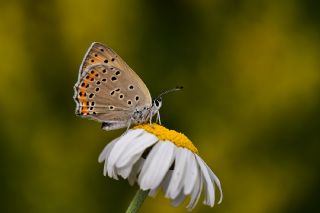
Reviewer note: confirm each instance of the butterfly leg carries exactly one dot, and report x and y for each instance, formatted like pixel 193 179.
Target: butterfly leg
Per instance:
pixel 150 115
pixel 129 124
pixel 158 118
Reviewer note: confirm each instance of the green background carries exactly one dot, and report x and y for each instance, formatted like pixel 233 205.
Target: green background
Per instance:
pixel 251 104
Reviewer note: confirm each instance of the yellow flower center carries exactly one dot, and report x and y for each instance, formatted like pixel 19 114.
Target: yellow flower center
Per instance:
pixel 165 134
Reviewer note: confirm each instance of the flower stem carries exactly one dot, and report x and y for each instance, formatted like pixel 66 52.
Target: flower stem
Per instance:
pixel 137 201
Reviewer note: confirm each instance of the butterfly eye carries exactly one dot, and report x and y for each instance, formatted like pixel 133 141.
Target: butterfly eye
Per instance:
pixel 157 103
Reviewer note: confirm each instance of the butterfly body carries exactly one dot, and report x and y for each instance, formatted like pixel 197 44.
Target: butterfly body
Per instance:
pixel 139 116
pixel 110 92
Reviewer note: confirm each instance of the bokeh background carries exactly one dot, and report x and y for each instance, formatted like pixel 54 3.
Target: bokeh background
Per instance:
pixel 251 72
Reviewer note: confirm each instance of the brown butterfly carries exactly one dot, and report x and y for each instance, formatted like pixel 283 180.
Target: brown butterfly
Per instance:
pixel 109 91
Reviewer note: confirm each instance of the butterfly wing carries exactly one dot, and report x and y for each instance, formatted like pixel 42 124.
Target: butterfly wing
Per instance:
pixel 100 54
pixel 108 94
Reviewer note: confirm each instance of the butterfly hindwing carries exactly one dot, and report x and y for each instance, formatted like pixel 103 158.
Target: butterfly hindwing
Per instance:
pixel 100 54
pixel 106 93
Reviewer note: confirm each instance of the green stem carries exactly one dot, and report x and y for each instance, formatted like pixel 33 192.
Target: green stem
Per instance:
pixel 137 201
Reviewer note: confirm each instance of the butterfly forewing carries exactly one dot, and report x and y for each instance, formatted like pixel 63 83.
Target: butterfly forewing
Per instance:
pixel 100 54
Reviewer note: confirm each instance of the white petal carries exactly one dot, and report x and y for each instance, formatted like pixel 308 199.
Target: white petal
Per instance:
pixel 135 171
pixel 147 163
pixel 178 175
pixel 208 183
pixel 192 174
pixel 196 192
pixel 215 179
pixel 164 184
pixel 166 181
pixel 154 192
pixel 135 150
pixel 124 172
pixel 119 148
pixel 104 156
pixel 105 152
pixel 209 187
pixel 157 164
pixel 178 200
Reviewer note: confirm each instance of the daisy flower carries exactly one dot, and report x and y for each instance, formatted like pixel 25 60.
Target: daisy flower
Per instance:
pixel 156 158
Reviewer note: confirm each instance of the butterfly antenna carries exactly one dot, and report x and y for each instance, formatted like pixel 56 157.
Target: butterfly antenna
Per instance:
pixel 169 91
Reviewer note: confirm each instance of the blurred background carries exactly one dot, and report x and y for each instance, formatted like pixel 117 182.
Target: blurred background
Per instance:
pixel 251 104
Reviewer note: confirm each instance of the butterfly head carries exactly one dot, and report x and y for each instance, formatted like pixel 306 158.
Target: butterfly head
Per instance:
pixel 157 103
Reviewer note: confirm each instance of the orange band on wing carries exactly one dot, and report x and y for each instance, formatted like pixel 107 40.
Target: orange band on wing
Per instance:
pixel 83 95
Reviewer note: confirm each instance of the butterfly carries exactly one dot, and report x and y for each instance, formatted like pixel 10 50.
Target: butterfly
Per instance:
pixel 110 92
